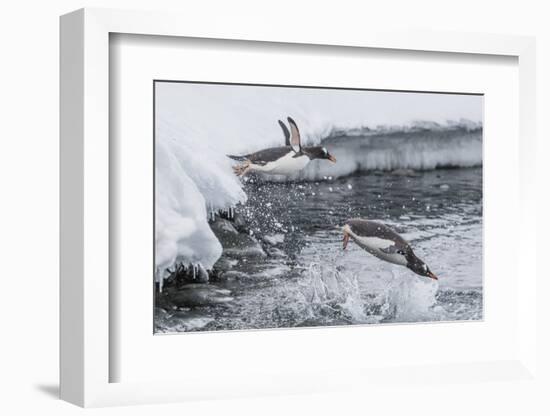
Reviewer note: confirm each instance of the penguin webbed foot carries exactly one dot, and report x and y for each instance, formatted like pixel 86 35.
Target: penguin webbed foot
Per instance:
pixel 345 240
pixel 242 169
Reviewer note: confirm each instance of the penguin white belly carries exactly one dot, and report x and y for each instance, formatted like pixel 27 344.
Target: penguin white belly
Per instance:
pixel 286 165
pixel 378 247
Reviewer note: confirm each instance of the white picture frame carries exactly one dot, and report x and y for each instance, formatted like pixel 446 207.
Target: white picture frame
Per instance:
pixel 85 228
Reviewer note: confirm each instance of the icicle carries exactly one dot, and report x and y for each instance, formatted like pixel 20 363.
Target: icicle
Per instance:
pixel 203 273
pixel 159 277
pixel 211 213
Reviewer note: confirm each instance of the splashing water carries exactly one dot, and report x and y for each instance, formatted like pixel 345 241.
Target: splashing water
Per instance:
pixel 410 299
pixel 325 286
pixel 313 282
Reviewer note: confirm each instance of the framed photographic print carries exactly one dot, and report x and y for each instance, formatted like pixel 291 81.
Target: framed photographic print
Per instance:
pixel 253 240
pixel 236 208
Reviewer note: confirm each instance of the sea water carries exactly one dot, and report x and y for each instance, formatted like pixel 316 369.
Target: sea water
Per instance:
pixel 314 282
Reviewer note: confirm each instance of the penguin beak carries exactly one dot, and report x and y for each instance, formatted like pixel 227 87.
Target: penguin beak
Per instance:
pixel 332 158
pixel 432 276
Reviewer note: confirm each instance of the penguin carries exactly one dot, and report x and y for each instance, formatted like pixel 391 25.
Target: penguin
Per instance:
pixel 382 242
pixel 284 160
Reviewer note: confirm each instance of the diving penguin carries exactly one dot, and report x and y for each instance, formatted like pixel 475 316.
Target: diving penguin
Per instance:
pixel 382 242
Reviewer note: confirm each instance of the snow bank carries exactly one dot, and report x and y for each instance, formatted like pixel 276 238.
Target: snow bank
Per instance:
pixel 190 181
pixel 240 119
pixel 450 145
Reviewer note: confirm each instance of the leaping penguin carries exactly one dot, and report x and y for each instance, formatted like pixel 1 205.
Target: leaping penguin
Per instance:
pixel 382 242
pixel 284 160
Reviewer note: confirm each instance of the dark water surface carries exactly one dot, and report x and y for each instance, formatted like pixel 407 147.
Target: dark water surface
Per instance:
pixel 308 280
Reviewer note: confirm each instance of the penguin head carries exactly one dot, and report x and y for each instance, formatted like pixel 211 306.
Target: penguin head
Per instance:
pixel 320 152
pixel 421 268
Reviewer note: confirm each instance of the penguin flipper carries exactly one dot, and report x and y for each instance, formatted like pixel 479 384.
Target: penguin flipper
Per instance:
pixel 237 158
pixel 285 132
pixel 392 249
pixel 295 141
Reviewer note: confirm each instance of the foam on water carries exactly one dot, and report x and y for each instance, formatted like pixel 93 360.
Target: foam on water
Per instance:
pixel 331 289
pixel 409 299
pixel 325 286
